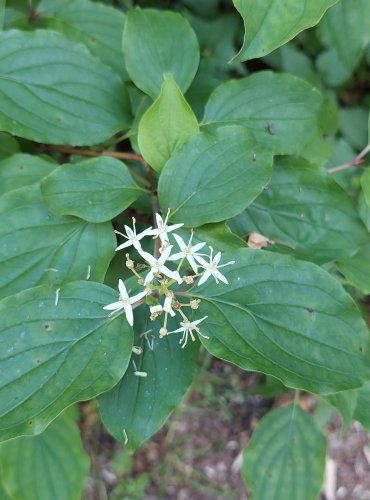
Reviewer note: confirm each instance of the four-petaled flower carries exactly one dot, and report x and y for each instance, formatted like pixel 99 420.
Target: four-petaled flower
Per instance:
pixel 163 228
pixel 132 237
pixel 187 328
pixel 212 267
pixel 125 302
pixel 187 251
pixel 158 267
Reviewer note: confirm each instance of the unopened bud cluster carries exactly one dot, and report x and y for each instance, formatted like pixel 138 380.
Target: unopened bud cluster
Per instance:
pixel 159 277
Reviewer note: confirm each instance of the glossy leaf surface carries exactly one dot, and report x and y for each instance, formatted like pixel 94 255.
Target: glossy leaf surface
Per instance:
pixel 285 318
pixel 166 125
pixel 285 457
pixel 56 92
pixel 56 352
pixel 159 42
pixel 95 190
pixel 36 247
pixel 217 174
pixel 271 24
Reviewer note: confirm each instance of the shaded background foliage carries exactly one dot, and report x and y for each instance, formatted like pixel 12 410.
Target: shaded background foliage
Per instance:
pixel 283 123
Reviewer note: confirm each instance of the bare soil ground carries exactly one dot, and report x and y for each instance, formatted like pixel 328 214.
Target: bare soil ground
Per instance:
pixel 198 454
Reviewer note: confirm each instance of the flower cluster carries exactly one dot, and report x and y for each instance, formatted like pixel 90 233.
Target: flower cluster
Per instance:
pixel 159 277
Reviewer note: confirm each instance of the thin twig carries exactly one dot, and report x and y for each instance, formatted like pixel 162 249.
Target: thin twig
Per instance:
pixel 354 163
pixel 89 152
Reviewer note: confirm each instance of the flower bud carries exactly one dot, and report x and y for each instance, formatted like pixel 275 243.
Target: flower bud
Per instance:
pixel 194 304
pixel 163 332
pixel 129 263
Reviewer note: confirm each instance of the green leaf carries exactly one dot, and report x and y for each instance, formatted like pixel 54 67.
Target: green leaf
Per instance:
pixel 353 124
pixel 51 465
pixel 2 13
pixel 95 190
pixel 357 269
pixel 286 318
pixel 331 68
pixel 217 175
pixel 365 184
pixel 54 355
pixel 94 24
pixel 159 42
pixel 166 125
pixel 21 170
pixel 364 211
pixel 282 110
pixel 291 59
pixel 15 18
pixel 346 28
pixel 345 402
pixel 362 413
pixel 36 247
pixel 8 145
pixel 57 92
pixel 217 37
pixel 271 24
pixel 138 407
pixel 305 211
pixel 216 235
pixel 285 458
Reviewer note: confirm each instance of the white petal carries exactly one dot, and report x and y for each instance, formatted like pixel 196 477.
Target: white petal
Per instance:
pixel 165 254
pixel 169 229
pixel 129 314
pixel 122 289
pixel 191 261
pixel 164 237
pixel 167 304
pixel 204 278
pixel 201 261
pixel 147 232
pixel 155 309
pixel 137 245
pixel 124 245
pixel 181 329
pixel 148 257
pixel 170 274
pixel 149 277
pixel 220 276
pixel 180 241
pixel 217 258
pixel 197 321
pixel 198 246
pixel 114 305
pixel 137 297
pixel 130 233
pixel 159 220
pixel 176 256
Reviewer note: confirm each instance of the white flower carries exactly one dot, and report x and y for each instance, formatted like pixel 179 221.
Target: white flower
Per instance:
pixel 157 266
pixel 167 306
pixel 187 327
pixel 187 251
pixel 212 268
pixel 132 237
pixel 162 228
pixel 125 302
